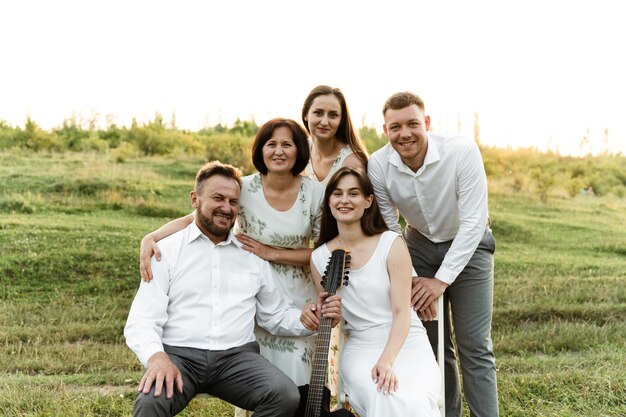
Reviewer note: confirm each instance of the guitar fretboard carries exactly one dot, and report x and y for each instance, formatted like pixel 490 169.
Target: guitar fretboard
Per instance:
pixel 333 276
pixel 318 375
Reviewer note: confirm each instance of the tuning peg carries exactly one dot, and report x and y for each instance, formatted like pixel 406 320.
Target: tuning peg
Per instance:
pixel 348 257
pixel 346 272
pixel 345 282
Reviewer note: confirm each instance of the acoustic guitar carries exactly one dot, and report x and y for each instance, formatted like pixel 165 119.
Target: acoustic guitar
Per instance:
pixel 315 396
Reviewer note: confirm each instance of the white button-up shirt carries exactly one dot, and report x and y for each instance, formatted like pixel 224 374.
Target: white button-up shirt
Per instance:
pixel 446 199
pixel 205 296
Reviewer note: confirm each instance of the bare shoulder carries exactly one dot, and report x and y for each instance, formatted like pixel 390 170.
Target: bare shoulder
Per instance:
pixel 398 252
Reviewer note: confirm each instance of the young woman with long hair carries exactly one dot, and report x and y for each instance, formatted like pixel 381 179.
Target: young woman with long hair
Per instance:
pixel 387 365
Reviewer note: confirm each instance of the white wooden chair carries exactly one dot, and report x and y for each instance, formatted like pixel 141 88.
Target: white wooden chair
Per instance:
pixel 342 397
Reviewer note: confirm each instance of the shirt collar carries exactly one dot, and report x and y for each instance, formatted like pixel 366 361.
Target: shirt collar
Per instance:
pixel 195 233
pixel 432 156
pixel 432 153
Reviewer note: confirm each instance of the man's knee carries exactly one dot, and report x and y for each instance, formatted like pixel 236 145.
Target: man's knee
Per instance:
pixel 282 394
pixel 289 398
pixel 149 405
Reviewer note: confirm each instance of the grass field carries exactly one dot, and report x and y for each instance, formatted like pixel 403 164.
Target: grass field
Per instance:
pixel 70 227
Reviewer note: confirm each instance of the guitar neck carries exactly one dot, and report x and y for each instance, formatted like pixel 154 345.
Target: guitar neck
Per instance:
pixel 318 374
pixel 335 271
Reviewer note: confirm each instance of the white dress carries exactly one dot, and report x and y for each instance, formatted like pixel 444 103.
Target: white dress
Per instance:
pixel 343 154
pixel 293 228
pixel 366 308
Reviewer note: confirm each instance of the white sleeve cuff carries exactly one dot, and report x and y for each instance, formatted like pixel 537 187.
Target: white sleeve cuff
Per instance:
pixel 445 275
pixel 148 351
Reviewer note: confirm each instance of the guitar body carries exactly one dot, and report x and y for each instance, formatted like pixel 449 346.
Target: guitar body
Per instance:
pixel 325 411
pixel 315 396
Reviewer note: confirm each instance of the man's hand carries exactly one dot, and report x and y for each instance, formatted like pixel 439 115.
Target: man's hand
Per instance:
pixel 161 369
pixel 147 249
pixel 425 291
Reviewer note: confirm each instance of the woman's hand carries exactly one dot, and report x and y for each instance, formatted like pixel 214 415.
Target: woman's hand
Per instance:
pixel 262 251
pixel 429 312
pixel 148 248
pixel 330 307
pixel 384 377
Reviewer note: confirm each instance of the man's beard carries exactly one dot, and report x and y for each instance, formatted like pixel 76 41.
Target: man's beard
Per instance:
pixel 211 227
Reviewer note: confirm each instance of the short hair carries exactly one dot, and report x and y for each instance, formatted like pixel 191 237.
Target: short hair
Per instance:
pixel 345 132
pixel 401 100
pixel 299 139
pixel 213 168
pixel 372 221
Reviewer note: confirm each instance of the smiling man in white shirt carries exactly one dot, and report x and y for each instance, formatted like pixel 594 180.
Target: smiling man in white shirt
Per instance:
pixel 439 187
pixel 192 325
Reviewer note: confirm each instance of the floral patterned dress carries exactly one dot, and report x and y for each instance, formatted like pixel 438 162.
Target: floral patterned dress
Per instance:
pixel 294 228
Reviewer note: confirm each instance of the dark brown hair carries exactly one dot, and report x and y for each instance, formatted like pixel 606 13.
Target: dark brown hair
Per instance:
pixel 345 131
pixel 216 168
pixel 372 221
pixel 401 100
pixel 299 139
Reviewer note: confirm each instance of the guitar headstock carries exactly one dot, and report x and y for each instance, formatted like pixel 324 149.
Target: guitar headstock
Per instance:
pixel 336 271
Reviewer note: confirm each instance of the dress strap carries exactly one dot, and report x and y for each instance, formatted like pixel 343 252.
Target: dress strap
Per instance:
pixel 386 241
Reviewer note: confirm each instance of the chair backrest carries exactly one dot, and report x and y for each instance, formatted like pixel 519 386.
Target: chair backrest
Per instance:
pixel 440 355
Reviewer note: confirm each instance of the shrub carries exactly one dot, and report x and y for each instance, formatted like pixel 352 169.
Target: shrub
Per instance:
pixel 544 180
pixel 236 150
pixel 125 152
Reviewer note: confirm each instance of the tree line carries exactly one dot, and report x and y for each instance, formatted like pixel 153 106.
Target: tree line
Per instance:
pixel 522 170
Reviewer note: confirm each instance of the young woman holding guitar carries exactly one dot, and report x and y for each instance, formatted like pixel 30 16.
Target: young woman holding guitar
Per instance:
pixel 387 365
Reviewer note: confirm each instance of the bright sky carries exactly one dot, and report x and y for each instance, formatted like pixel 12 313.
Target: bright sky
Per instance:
pixel 537 73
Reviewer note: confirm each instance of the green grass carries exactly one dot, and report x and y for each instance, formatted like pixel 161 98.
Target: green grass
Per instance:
pixel 70 227
pixel 560 305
